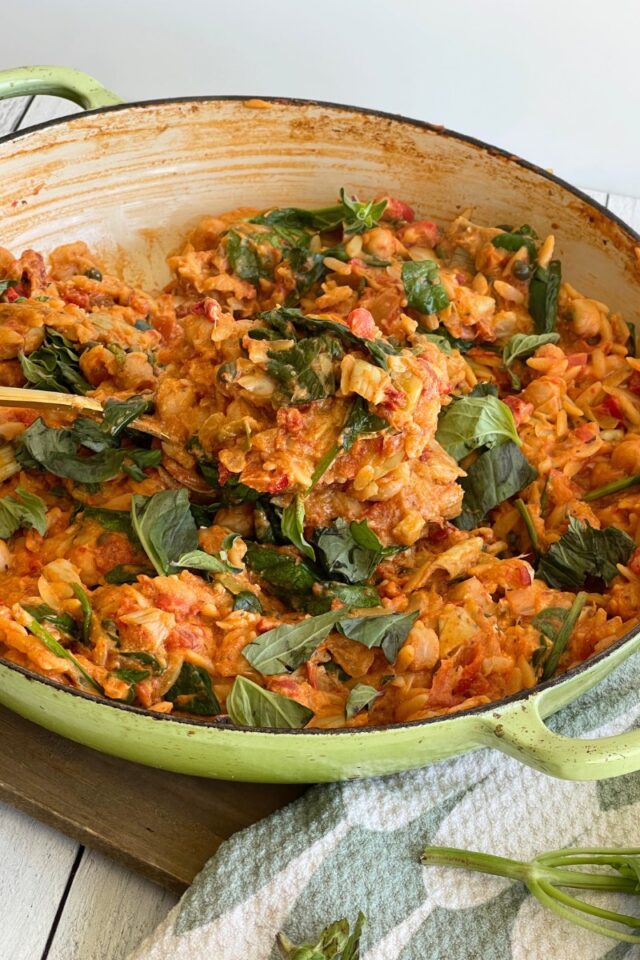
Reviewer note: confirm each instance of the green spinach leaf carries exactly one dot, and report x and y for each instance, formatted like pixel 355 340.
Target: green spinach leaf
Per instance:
pixel 543 296
pixel 244 259
pixel 422 288
pixel 584 551
pixel 131 675
pixel 246 600
pixel 305 372
pixel 286 647
pixel 496 475
pixel 116 521
pixel 472 422
pixel 515 240
pixel 124 573
pixel 43 613
pixel 55 365
pixel 284 572
pixel 87 612
pixel 350 551
pixel 250 705
pixel 192 692
pixel 23 510
pixel 119 414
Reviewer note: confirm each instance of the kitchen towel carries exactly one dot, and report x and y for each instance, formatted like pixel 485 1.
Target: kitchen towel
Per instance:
pixel 356 846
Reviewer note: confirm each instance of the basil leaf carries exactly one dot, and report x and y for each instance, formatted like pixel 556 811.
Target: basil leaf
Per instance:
pixel 360 216
pixel 204 513
pixel 281 570
pixel 87 612
pixel 250 705
pixel 287 321
pixel 422 288
pixel 496 475
pixel 124 573
pixel 484 389
pixel 323 218
pixel 360 697
pixel 293 527
pixel 285 647
pixel 192 692
pixel 334 943
pixel 522 345
pixel 514 241
pixel 56 451
pixel 164 526
pixel 199 560
pixel 118 414
pixel 305 372
pixel 471 422
pixel 44 613
pixel 54 646
pixel 387 630
pixel 116 521
pixel 584 551
pixel 246 600
pixel 24 510
pixel 349 551
pixel 543 296
pixel 244 258
pixel 55 365
pixel 131 675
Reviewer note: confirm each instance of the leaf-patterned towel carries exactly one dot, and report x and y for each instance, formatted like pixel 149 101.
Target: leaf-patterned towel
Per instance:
pixel 351 846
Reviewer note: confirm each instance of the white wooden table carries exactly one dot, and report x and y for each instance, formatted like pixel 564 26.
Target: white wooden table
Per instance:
pixel 59 900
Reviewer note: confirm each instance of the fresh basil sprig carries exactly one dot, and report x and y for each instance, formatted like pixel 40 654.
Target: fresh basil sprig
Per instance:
pixel 335 943
pixel 250 705
pixel 546 873
pixel 23 510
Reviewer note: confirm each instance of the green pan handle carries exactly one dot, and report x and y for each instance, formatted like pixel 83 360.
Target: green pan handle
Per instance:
pixel 519 730
pixel 56 82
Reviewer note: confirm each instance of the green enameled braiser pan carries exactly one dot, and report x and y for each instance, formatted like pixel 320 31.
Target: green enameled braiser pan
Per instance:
pixel 131 180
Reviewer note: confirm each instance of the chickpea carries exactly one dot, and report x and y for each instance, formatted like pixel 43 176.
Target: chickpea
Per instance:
pixel 380 242
pixel 626 455
pixel 585 318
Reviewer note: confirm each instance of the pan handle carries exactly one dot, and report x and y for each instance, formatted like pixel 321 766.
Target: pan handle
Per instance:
pixel 520 731
pixel 57 82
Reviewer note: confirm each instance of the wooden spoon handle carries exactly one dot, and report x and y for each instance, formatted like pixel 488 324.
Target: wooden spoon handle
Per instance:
pixel 49 400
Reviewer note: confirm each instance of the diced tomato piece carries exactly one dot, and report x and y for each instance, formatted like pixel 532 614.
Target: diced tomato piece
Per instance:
pixel 186 636
pixel 360 321
pixel 612 406
pixel 634 562
pixel 12 293
pixel 422 232
pixel 437 534
pixel 577 360
pixel 290 419
pixel 393 399
pixel 397 210
pixel 278 485
pixel 633 383
pixel 223 474
pixel 586 432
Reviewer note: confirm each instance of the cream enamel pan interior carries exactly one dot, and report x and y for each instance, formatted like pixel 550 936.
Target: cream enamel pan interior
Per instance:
pixel 130 180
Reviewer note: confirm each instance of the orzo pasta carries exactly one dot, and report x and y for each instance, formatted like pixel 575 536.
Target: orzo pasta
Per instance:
pixel 399 480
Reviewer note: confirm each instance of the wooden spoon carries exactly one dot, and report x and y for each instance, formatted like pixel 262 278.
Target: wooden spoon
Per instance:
pixel 48 400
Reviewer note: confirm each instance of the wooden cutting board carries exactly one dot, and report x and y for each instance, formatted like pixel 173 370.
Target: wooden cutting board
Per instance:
pixel 163 825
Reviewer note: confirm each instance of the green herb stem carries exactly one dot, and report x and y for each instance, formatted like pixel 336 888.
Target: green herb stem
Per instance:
pixel 546 873
pixel 527 519
pixel 563 635
pixel 614 487
pixel 55 647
